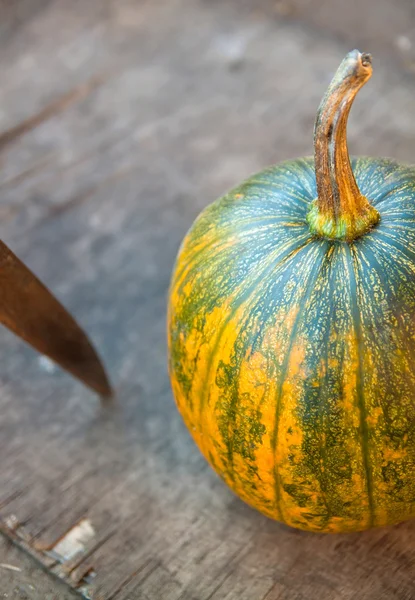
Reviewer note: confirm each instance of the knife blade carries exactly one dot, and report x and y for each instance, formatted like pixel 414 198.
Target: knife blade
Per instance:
pixel 31 311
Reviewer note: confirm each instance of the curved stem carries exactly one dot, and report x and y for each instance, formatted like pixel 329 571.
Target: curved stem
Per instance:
pixel 340 211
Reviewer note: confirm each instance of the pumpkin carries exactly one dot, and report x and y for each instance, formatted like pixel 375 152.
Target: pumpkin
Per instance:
pixel 291 332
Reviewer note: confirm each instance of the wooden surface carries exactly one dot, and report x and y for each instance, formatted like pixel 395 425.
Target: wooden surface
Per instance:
pixel 121 120
pixel 22 579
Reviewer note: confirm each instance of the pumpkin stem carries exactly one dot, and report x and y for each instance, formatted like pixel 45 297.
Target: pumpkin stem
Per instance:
pixel 340 211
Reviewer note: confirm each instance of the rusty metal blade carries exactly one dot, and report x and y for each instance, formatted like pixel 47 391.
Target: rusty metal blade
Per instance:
pixel 30 310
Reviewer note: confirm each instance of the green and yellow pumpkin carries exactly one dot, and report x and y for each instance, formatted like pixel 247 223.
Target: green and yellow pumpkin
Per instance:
pixel 291 329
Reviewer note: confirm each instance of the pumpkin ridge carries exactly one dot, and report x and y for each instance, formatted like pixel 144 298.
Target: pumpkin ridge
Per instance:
pixel 216 245
pixel 245 325
pixel 377 267
pixel 294 199
pixel 319 264
pixel 394 191
pixel 254 340
pixel 401 224
pixel 351 259
pixel 244 300
pixel 397 247
pixel 257 337
pixel 277 256
pixel 278 176
pixel 378 262
pixel 194 260
pixel 198 257
pixel 263 184
pixel 271 265
pixel 330 279
pixel 369 172
pixel 375 264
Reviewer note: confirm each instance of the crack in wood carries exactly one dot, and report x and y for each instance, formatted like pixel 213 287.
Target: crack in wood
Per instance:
pixel 13 496
pixel 51 110
pixel 22 175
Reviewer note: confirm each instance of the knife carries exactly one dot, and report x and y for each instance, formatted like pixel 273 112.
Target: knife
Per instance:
pixel 31 311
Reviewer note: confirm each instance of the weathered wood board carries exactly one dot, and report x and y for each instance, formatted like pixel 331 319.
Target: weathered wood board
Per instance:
pixel 121 120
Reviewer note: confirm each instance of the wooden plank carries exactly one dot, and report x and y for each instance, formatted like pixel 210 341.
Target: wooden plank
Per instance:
pixel 121 121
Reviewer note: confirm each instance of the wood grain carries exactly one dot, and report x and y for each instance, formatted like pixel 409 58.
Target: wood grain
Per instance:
pixel 98 185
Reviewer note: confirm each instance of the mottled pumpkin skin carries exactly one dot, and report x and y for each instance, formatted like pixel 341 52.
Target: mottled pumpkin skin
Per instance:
pixel 292 358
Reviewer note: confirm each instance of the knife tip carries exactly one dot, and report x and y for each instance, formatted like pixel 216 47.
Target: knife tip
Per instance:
pixel 99 382
pixel 106 393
